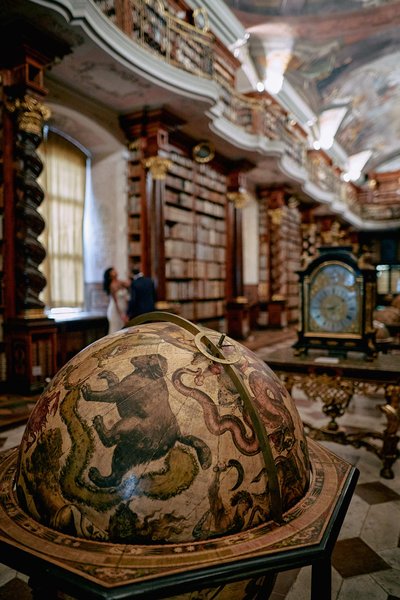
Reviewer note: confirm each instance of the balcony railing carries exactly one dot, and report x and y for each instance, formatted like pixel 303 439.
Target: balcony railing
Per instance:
pixel 178 42
pixel 378 205
pixel 148 23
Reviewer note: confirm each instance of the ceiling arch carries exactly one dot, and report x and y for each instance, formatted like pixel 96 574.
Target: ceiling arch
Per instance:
pixel 336 54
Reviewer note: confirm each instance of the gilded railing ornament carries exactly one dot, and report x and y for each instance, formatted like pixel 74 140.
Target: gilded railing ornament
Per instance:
pixel 200 19
pixel 31 114
pixel 158 5
pixel 158 166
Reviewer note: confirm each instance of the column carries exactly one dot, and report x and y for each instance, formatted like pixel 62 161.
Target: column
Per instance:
pixel 31 341
pixel 155 192
pixel 238 316
pixel 148 130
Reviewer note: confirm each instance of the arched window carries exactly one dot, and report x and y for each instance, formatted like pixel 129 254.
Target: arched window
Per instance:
pixel 64 182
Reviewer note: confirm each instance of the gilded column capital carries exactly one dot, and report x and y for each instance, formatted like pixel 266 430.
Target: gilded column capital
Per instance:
pixel 136 144
pixel 239 199
pixel 158 166
pixel 31 114
pixel 276 215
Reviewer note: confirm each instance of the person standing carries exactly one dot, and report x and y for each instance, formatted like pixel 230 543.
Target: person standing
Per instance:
pixel 118 292
pixel 142 295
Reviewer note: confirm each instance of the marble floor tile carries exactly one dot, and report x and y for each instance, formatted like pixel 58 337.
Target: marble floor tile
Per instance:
pixel 389 581
pixel 355 518
pixel 381 527
pixel 361 588
pixel 352 557
pixel 6 575
pixel 376 492
pixel 15 589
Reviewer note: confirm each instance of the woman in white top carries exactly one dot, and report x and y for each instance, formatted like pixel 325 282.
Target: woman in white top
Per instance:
pixel 117 290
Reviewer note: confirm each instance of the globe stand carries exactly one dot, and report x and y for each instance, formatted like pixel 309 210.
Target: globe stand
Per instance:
pixel 166 459
pixel 89 570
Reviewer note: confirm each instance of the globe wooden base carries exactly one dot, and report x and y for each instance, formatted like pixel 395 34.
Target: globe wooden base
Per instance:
pixel 99 570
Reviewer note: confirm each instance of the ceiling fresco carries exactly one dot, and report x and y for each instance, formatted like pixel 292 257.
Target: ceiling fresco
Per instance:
pixel 343 54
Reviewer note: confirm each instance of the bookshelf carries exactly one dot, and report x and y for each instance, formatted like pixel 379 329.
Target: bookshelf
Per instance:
pixel 263 262
pixel 281 251
pixel 285 261
pixel 3 363
pixel 184 246
pixel 195 237
pixel 136 208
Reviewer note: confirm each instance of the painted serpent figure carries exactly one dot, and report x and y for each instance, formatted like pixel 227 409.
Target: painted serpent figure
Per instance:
pixel 216 424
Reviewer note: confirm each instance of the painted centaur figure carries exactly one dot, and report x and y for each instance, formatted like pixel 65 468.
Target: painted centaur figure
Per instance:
pixel 148 429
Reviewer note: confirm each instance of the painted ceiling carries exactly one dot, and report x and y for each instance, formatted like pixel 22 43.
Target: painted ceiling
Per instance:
pixel 343 58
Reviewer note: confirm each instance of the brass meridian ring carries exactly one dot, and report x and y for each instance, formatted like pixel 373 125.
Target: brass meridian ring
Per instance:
pixel 271 474
pixel 207 349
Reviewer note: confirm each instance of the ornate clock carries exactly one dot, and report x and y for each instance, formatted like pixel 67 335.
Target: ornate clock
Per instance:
pixel 337 297
pixel 203 152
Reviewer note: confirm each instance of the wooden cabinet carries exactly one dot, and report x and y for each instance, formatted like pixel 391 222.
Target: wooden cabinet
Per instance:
pixel 185 220
pixel 30 338
pixel 31 353
pixel 286 247
pixel 76 333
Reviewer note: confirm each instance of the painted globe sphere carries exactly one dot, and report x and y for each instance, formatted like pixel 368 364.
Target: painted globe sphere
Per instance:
pixel 163 432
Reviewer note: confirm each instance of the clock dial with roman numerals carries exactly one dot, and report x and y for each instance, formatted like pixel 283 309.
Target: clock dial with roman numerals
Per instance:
pixel 334 300
pixel 337 300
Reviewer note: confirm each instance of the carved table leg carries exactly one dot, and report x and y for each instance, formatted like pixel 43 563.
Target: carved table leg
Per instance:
pixel 41 590
pixel 334 392
pixel 321 580
pixel 391 410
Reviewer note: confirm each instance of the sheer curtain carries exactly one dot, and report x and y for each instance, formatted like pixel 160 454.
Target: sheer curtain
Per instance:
pixel 63 180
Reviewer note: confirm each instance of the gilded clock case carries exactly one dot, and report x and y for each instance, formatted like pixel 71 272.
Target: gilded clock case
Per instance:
pixel 361 336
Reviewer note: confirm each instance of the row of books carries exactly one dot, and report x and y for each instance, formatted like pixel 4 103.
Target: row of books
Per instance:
pixel 178 268
pixel 195 288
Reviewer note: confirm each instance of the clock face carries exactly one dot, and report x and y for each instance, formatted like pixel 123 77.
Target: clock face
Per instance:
pixel 334 300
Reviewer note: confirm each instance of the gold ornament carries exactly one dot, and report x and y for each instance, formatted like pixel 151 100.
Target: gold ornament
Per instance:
pixel 31 114
pixel 239 199
pixel 158 166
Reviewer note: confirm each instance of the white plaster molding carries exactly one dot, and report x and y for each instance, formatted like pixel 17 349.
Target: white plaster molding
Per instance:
pixel 293 169
pixel 223 22
pixel 317 193
pixel 115 43
pixel 243 139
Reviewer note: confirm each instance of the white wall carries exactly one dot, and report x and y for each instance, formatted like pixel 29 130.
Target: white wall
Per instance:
pixel 105 232
pixel 250 242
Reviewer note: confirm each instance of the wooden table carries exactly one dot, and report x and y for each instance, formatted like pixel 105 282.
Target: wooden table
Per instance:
pixel 334 381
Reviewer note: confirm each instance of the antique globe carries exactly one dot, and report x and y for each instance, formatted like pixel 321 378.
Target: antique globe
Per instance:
pixel 163 447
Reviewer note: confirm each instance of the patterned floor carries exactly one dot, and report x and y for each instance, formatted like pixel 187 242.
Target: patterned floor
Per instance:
pixel 366 558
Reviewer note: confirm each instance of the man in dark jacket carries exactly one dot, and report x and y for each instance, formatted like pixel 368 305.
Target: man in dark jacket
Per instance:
pixel 142 295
